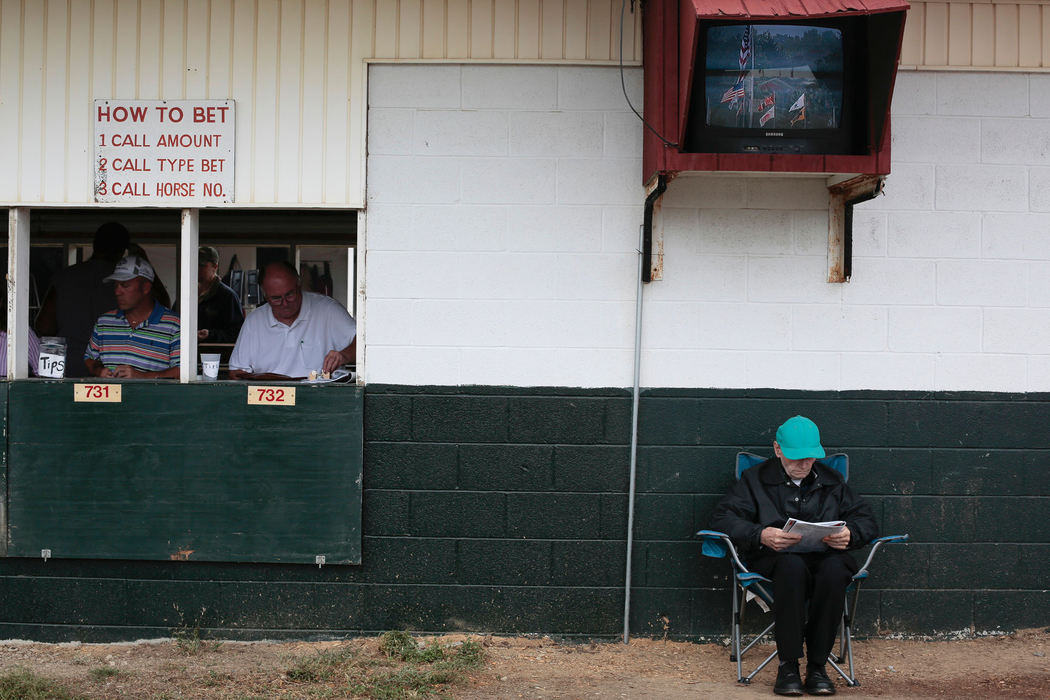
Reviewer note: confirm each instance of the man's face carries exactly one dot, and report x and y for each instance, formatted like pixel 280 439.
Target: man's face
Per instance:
pixel 131 293
pixel 283 292
pixel 795 468
pixel 207 272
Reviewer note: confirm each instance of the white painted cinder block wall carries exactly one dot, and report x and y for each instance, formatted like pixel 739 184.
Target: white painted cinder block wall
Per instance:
pixel 502 223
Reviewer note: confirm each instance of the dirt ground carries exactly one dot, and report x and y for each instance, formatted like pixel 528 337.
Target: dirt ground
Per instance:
pixel 1013 666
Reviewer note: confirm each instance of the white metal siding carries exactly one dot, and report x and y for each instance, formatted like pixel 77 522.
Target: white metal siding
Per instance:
pixel 979 35
pixel 295 67
pixel 286 63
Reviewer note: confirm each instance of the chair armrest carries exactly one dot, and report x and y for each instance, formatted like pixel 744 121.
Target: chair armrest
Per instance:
pixel 746 579
pixel 718 545
pixel 875 544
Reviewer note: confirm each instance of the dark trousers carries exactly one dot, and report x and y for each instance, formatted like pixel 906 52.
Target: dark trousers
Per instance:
pixel 819 579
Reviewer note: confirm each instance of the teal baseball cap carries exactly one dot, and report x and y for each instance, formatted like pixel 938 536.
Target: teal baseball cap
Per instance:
pixel 799 438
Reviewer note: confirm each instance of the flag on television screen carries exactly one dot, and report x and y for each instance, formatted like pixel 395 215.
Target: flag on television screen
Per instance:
pixel 799 103
pixel 801 116
pixel 734 92
pixel 745 47
pixel 767 116
pixel 769 101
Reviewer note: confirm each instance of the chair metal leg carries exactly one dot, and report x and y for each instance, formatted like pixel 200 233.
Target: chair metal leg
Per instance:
pixel 846 642
pixel 849 652
pixel 755 640
pixel 845 676
pixel 845 650
pixel 759 668
pixel 848 621
pixel 738 651
pixel 740 657
pixel 842 640
pixel 737 655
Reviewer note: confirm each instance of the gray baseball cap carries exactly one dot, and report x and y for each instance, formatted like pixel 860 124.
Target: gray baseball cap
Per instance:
pixel 130 267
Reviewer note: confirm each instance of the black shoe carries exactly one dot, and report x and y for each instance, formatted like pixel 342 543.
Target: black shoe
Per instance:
pixel 817 681
pixel 788 680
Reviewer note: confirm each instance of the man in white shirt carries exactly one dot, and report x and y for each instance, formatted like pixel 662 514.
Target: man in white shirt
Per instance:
pixel 295 333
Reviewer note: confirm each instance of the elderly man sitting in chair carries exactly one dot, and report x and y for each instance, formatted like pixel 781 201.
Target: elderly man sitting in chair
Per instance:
pixel 809 588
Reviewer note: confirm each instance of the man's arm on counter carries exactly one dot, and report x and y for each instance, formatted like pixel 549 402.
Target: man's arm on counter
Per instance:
pixel 337 358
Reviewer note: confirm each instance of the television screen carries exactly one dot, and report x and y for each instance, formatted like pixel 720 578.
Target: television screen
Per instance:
pixel 785 77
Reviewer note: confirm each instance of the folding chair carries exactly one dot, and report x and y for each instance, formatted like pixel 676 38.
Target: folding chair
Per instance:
pixel 747 585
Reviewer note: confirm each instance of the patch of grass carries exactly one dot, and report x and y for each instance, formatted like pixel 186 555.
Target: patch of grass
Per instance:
pixel 188 640
pixel 405 682
pixel 399 644
pixel 470 654
pixel 402 646
pixel 23 684
pixel 104 673
pixel 187 635
pixel 322 666
pixel 325 692
pixel 426 669
pixel 403 669
pixel 215 679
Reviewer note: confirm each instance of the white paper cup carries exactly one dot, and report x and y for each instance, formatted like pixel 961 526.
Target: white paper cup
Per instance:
pixel 210 364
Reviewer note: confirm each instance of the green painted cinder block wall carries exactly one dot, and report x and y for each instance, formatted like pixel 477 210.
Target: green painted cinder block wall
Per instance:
pixel 504 510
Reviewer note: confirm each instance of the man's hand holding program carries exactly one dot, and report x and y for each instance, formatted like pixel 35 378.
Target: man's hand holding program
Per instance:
pixel 776 539
pixel 839 540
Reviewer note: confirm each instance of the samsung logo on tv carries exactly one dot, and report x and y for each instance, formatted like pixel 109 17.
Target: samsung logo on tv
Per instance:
pixel 774 133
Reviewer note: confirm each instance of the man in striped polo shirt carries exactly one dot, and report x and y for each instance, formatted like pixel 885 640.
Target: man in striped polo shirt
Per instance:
pixel 140 338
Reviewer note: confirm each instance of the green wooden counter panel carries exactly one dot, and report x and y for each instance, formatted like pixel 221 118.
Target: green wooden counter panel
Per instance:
pixel 184 472
pixel 3 471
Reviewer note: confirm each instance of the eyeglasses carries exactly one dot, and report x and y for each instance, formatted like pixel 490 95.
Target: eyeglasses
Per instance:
pixel 285 299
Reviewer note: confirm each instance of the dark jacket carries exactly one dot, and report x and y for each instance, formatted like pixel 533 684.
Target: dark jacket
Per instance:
pixel 219 311
pixel 766 497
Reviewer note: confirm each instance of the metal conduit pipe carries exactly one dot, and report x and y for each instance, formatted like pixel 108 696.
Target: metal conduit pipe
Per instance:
pixel 645 254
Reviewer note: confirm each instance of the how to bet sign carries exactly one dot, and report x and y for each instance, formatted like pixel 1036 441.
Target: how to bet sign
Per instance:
pixel 164 151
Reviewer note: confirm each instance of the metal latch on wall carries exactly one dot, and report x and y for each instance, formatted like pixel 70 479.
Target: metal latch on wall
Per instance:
pixel 45 554
pixel 319 560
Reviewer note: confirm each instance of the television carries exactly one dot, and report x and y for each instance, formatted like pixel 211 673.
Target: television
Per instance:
pixel 804 86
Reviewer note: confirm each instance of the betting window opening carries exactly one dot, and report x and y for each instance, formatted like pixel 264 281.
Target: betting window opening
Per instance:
pixel 319 245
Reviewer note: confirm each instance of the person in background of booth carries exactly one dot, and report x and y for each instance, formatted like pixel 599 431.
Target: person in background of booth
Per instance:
pixel 140 338
pixel 219 314
pixel 34 341
pixel 78 296
pixel 293 334
pixel 34 352
pixel 160 292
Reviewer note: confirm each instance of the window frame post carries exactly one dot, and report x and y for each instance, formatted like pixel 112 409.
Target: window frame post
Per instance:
pixel 18 293
pixel 189 241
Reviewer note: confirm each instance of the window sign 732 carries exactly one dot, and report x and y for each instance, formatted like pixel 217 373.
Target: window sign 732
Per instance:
pixel 271 395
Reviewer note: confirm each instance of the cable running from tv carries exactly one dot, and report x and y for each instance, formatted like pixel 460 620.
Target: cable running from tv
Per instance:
pixel 623 82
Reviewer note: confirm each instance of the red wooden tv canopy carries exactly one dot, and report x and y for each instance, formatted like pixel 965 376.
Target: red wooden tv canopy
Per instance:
pixel 671 29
